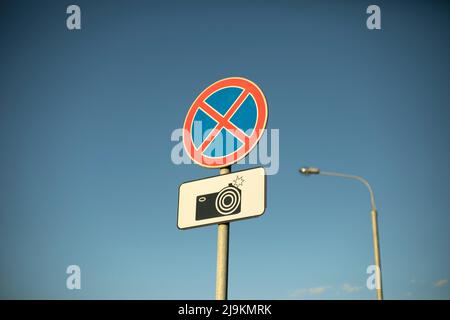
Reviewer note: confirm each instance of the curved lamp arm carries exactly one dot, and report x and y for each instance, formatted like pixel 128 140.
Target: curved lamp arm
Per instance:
pixel 349 176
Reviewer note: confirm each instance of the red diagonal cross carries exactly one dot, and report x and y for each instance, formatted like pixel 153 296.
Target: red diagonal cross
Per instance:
pixel 224 121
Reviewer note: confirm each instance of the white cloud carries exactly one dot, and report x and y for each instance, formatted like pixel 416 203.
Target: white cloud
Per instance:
pixel 441 283
pixel 318 290
pixel 300 293
pixel 348 288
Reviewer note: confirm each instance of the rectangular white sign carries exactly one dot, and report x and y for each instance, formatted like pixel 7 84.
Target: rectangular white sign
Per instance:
pixel 232 196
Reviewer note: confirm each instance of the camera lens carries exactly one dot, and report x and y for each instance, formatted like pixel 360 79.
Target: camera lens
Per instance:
pixel 228 200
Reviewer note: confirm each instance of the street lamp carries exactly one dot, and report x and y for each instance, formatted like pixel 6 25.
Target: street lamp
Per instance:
pixel 376 244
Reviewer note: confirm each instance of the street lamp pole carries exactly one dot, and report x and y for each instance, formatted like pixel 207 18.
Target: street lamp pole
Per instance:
pixel 374 214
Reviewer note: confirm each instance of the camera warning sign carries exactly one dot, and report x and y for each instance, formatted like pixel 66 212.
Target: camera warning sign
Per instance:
pixel 233 196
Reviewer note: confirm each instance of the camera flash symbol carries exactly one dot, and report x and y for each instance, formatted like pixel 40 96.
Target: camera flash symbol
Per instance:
pixel 239 181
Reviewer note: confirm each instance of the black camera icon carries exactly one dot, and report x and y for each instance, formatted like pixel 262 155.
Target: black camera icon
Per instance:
pixel 225 202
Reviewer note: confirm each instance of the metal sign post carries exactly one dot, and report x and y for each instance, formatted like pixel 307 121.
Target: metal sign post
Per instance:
pixel 223 235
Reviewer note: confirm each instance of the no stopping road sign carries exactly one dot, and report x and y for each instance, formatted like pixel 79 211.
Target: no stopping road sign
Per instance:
pixel 225 122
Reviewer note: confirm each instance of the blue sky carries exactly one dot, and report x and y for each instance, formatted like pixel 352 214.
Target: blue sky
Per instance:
pixel 86 175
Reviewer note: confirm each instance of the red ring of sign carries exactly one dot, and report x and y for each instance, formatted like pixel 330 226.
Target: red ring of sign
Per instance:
pixel 248 142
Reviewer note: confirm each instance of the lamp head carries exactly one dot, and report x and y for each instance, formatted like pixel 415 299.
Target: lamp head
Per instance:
pixel 308 170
